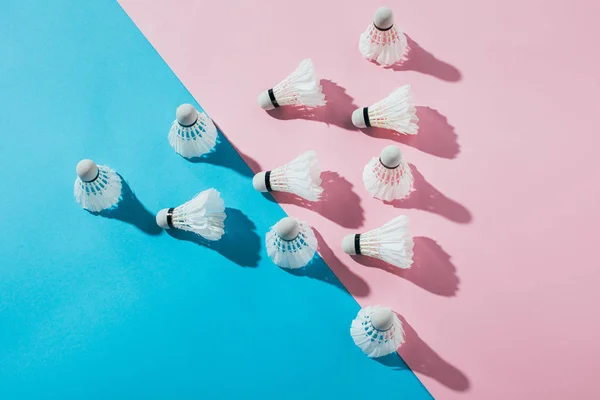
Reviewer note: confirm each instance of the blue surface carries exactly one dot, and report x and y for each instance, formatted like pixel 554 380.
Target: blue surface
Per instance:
pixel 97 307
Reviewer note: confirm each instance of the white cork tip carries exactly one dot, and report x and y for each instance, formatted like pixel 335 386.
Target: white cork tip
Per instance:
pixel 86 170
pixel 161 219
pixel 382 319
pixel 348 245
pixel 358 118
pixel 259 182
pixel 186 115
pixel 264 101
pixel 287 228
pixel 391 157
pixel 384 18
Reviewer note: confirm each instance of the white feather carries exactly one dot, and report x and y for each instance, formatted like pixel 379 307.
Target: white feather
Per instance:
pixel 385 183
pixel 372 342
pixel 203 215
pixel 396 112
pixel 302 177
pixel 302 87
pixel 196 140
pixel 295 253
pixel 391 243
pixel 101 194
pixel 385 47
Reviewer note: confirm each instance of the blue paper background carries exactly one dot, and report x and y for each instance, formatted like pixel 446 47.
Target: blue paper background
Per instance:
pixel 111 306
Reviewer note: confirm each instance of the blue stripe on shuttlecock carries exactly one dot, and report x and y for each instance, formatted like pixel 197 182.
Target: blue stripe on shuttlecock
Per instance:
pixel 291 246
pixel 373 333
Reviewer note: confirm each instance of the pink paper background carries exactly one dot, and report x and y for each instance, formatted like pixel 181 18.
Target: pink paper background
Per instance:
pixel 502 300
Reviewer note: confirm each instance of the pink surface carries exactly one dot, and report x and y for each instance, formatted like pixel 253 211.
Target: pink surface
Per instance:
pixel 501 302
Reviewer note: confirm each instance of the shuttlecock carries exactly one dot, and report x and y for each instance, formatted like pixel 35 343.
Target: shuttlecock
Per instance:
pixel 301 177
pixel 291 243
pixel 97 187
pixel 193 133
pixel 377 331
pixel 302 87
pixel 395 112
pixel 391 243
pixel 388 177
pixel 383 41
pixel 203 215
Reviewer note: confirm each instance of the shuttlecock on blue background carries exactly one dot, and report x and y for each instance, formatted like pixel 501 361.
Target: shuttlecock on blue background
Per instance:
pixel 203 215
pixel 291 243
pixel 377 331
pixel 97 187
pixel 193 133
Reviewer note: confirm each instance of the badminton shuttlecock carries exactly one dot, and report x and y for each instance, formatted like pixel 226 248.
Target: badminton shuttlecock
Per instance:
pixel 97 187
pixel 388 177
pixel 192 133
pixel 391 243
pixel 291 243
pixel 377 331
pixel 301 177
pixel 203 215
pixel 383 41
pixel 301 88
pixel 395 112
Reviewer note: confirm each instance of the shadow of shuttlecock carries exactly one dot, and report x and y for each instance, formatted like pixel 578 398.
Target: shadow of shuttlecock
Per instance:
pixel 427 198
pixel 423 359
pixel 435 137
pixel 335 189
pixel 420 60
pixel 337 111
pixel 431 270
pixel 224 154
pixel 327 271
pixel 130 209
pixel 240 243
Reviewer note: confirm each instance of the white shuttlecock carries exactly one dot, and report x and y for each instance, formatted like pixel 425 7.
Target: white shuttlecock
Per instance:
pixel 388 177
pixel 97 187
pixel 301 177
pixel 193 133
pixel 383 41
pixel 203 215
pixel 377 331
pixel 395 112
pixel 291 243
pixel 302 87
pixel 391 243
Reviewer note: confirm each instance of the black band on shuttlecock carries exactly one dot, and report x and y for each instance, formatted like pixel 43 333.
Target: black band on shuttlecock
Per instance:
pixel 170 217
pixel 187 126
pixel 357 244
pixel 268 181
pixel 387 167
pixel 273 99
pixel 381 29
pixel 366 117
